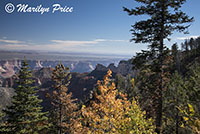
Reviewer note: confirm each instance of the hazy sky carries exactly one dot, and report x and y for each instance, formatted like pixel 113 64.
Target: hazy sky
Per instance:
pixel 97 26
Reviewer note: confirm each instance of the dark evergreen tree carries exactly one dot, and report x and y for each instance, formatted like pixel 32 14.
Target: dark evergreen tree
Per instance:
pixel 193 86
pixel 176 58
pixel 192 44
pixel 174 97
pixel 2 128
pixel 120 82
pixel 185 48
pixel 165 17
pixel 24 116
pixel 198 44
pixel 1 115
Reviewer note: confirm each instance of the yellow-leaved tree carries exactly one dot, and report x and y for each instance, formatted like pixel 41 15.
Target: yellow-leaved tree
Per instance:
pixel 110 112
pixel 65 113
pixel 190 121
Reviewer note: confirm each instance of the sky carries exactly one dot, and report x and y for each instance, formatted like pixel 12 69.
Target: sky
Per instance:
pixel 92 26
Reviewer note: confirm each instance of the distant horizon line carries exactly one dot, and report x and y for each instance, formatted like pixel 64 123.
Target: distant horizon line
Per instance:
pixel 68 52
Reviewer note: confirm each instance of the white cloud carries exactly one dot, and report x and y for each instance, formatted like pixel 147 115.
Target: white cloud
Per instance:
pixel 118 40
pixel 10 41
pixel 73 43
pixel 186 37
pixel 83 43
pixel 96 45
pixel 100 40
pixel 108 40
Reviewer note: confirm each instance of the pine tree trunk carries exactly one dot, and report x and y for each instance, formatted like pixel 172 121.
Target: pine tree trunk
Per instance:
pixel 160 93
pixel 159 101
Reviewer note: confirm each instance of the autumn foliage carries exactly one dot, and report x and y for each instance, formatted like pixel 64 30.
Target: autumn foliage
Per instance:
pixel 110 112
pixel 64 115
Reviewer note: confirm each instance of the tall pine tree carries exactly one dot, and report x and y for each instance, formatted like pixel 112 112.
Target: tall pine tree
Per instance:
pixel 64 115
pixel 24 116
pixel 165 17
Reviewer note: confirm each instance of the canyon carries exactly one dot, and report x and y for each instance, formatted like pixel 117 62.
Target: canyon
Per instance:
pixel 84 77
